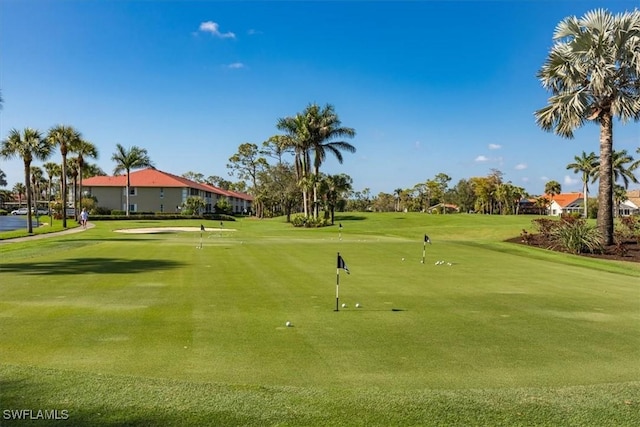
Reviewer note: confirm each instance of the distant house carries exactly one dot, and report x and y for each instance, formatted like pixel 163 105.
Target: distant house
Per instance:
pixel 565 203
pixel 631 206
pixel 443 208
pixel 152 190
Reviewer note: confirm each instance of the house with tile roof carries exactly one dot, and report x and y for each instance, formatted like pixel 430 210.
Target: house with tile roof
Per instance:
pixel 565 203
pixel 152 190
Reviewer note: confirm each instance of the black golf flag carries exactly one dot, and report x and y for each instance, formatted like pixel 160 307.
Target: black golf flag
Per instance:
pixel 426 239
pixel 342 264
pixel 201 227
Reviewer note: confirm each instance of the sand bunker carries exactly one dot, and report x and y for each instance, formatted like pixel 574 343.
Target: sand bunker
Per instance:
pixel 157 230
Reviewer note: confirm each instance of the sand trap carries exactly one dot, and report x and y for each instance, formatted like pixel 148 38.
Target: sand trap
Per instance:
pixel 157 230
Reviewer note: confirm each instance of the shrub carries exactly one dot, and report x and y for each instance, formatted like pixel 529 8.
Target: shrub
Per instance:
pixel 300 220
pixel 576 237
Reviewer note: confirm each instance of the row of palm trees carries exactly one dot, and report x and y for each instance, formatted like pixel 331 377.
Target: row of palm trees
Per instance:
pixel 31 144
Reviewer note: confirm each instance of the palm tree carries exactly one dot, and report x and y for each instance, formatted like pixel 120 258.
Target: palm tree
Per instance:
pixel 552 188
pixel 133 158
pixel 587 164
pixel 592 73
pixel 397 192
pixel 28 145
pixel 337 187
pixel 84 149
pixel 619 159
pixel 324 127
pixel 64 137
pixel 297 136
pixel 72 174
pixel 19 190
pixel 619 196
pixel 52 169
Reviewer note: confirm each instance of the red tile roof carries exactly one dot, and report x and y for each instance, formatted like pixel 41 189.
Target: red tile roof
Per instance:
pixel 156 178
pixel 564 199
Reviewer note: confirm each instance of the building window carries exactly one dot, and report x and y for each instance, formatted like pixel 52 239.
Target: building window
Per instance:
pixel 133 208
pixel 161 208
pixel 162 193
pixel 133 191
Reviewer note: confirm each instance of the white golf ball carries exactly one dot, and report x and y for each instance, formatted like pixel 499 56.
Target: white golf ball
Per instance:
pixel 344 305
pixel 403 259
pixel 358 305
pixel 288 324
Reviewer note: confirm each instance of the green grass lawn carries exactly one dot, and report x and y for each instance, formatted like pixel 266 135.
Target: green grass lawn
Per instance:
pixel 133 329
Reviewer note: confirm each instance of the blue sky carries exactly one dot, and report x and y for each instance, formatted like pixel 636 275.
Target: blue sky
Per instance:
pixel 429 86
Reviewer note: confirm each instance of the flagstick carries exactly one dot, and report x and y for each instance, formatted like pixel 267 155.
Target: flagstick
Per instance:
pixel 337 289
pixel 424 247
pixel 201 240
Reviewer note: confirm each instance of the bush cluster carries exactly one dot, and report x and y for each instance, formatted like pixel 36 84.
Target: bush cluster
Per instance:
pixel 570 233
pixel 309 222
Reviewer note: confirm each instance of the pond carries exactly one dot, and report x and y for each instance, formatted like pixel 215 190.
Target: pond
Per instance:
pixel 13 222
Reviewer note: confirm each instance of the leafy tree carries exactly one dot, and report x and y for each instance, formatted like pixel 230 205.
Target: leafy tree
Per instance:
pixel 277 146
pixel 128 159
pixel 463 195
pixel 619 160
pixel 586 164
pixel 194 176
pixel 64 137
pixel 28 145
pixel 3 179
pixel 592 72
pixel 246 164
pixel 219 182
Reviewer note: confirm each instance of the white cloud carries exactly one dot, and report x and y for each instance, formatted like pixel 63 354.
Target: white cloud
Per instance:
pixel 417 145
pixel 481 159
pixel 495 146
pixel 520 166
pixel 253 32
pixel 213 28
pixel 236 65
pixel 570 181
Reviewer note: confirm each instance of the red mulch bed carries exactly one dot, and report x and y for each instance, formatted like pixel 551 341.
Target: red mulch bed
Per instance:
pixel 631 252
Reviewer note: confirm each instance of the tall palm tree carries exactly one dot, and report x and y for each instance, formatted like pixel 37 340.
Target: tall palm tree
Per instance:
pixel 592 73
pixel 84 149
pixel 126 160
pixel 324 127
pixel 72 174
pixel 52 169
pixel 64 137
pixel 587 164
pixel 552 188
pixel 28 145
pixel 297 136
